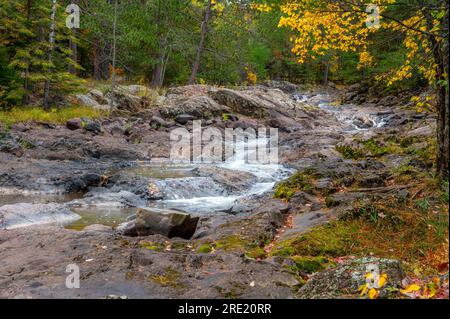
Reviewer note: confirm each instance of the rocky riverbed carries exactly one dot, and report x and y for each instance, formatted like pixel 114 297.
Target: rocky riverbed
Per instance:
pixel 103 194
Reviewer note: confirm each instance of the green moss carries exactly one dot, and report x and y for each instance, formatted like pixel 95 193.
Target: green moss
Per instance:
pixel 349 152
pixel 231 293
pixel 375 148
pixel 256 253
pixel 296 183
pixel 152 246
pixel 308 265
pixel 331 202
pixel 330 240
pixel 226 117
pixel 233 242
pixel 204 249
pixel 170 278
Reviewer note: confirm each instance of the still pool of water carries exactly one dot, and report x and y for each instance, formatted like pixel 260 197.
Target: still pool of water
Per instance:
pixel 109 216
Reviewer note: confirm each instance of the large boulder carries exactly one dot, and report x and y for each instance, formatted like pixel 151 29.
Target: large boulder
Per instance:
pixel 196 106
pixel 345 280
pixel 87 100
pixel 126 102
pixel 169 223
pixel 239 102
pixel 23 214
pixel 231 179
pixel 98 96
pixel 285 86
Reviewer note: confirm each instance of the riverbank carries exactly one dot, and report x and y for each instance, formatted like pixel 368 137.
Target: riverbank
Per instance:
pixel 361 186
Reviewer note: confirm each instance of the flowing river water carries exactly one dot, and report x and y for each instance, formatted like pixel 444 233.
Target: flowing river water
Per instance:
pixel 182 188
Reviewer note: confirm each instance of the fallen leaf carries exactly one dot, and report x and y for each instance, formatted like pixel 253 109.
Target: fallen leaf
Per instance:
pixel 373 293
pixel 410 288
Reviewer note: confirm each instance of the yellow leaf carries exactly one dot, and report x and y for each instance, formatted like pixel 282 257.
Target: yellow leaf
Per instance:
pixel 369 275
pixel 373 294
pixel 382 280
pixel 363 289
pixel 410 288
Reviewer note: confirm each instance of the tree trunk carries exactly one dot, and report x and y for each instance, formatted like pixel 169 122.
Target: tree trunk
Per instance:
pixel 440 56
pixel 442 132
pixel 201 45
pixel 96 60
pixel 157 76
pixel 50 51
pixel 113 76
pixel 73 47
pixel 326 71
pixel 159 70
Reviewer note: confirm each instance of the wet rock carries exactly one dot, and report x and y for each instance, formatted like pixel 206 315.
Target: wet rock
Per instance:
pixel 232 180
pixel 24 214
pixel 127 228
pixel 97 228
pixel 363 122
pixel 104 197
pixel 169 223
pixel 183 119
pixel 344 280
pixel 9 144
pixel 188 187
pixel 74 124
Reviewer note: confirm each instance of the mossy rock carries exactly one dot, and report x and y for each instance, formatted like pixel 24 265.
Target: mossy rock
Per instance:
pixel 204 249
pixel 152 246
pixel 344 280
pixel 349 152
pixel 296 183
pixel 309 265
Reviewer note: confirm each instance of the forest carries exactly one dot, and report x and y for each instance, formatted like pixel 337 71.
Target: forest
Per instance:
pixel 357 88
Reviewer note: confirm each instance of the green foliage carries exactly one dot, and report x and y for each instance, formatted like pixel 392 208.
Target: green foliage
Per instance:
pixel 54 115
pixel 297 182
pixel 375 148
pixel 349 152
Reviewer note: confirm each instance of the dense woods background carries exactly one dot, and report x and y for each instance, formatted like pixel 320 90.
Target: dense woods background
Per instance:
pixel 175 42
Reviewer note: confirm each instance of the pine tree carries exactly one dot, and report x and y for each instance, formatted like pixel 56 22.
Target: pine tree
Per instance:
pixel 41 60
